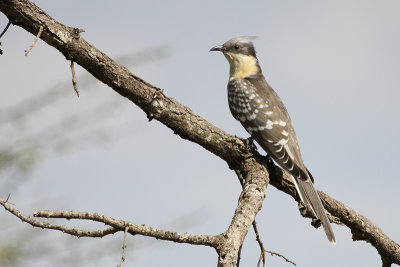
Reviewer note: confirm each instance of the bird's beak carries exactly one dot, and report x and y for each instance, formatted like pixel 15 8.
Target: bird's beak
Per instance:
pixel 219 48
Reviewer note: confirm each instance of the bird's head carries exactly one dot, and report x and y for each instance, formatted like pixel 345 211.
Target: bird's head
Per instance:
pixel 241 56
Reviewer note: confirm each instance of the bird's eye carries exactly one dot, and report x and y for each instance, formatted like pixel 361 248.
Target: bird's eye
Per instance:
pixel 236 46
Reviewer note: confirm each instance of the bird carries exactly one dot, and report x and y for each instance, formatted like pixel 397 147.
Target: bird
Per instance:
pixel 262 113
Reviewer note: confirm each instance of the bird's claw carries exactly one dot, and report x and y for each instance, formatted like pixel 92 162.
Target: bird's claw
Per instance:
pixel 269 159
pixel 249 144
pixel 316 222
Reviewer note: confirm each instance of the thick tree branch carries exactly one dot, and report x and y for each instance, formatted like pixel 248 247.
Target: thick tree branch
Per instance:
pixel 256 179
pixel 363 229
pixel 189 126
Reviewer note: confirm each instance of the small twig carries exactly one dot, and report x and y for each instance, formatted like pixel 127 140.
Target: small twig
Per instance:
pixel 123 247
pixel 263 250
pixel 280 255
pixel 78 31
pixel 34 41
pixel 260 243
pixel 8 197
pixel 5 29
pixel 155 104
pixel 74 83
pixel 262 257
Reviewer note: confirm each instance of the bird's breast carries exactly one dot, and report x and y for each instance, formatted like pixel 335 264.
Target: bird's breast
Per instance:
pixel 241 94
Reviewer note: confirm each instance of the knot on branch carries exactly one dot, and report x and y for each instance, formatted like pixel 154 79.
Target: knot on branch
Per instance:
pixel 76 32
pixel 156 105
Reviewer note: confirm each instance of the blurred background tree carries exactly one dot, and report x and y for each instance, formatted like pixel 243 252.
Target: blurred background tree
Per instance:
pixel 24 144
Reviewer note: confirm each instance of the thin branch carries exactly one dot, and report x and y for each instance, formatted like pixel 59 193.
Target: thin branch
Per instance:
pixel 123 248
pixel 5 29
pixel 71 231
pixel 263 250
pixel 74 83
pixel 34 41
pixel 8 198
pixel 280 255
pixel 133 228
pixel 116 225
pixel 260 243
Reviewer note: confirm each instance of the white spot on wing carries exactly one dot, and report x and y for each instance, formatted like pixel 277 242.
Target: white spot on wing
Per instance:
pixel 252 116
pixel 269 125
pixel 289 151
pixel 282 123
pixel 280 149
pixel 282 156
pixel 281 142
pixel 292 167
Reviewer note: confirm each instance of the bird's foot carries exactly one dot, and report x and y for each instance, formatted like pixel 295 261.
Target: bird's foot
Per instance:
pixel 316 222
pixel 269 159
pixel 249 144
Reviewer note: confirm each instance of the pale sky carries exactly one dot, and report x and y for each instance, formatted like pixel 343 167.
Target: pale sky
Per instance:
pixel 334 64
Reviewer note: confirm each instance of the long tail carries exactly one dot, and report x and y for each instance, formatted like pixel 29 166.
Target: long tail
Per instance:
pixel 309 195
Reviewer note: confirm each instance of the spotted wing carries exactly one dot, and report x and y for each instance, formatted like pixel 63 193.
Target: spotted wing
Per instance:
pixel 263 115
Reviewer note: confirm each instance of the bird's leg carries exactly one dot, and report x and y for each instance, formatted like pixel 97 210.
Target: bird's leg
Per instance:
pixel 249 144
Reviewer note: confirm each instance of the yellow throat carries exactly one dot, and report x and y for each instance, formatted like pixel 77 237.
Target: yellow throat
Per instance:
pixel 241 66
